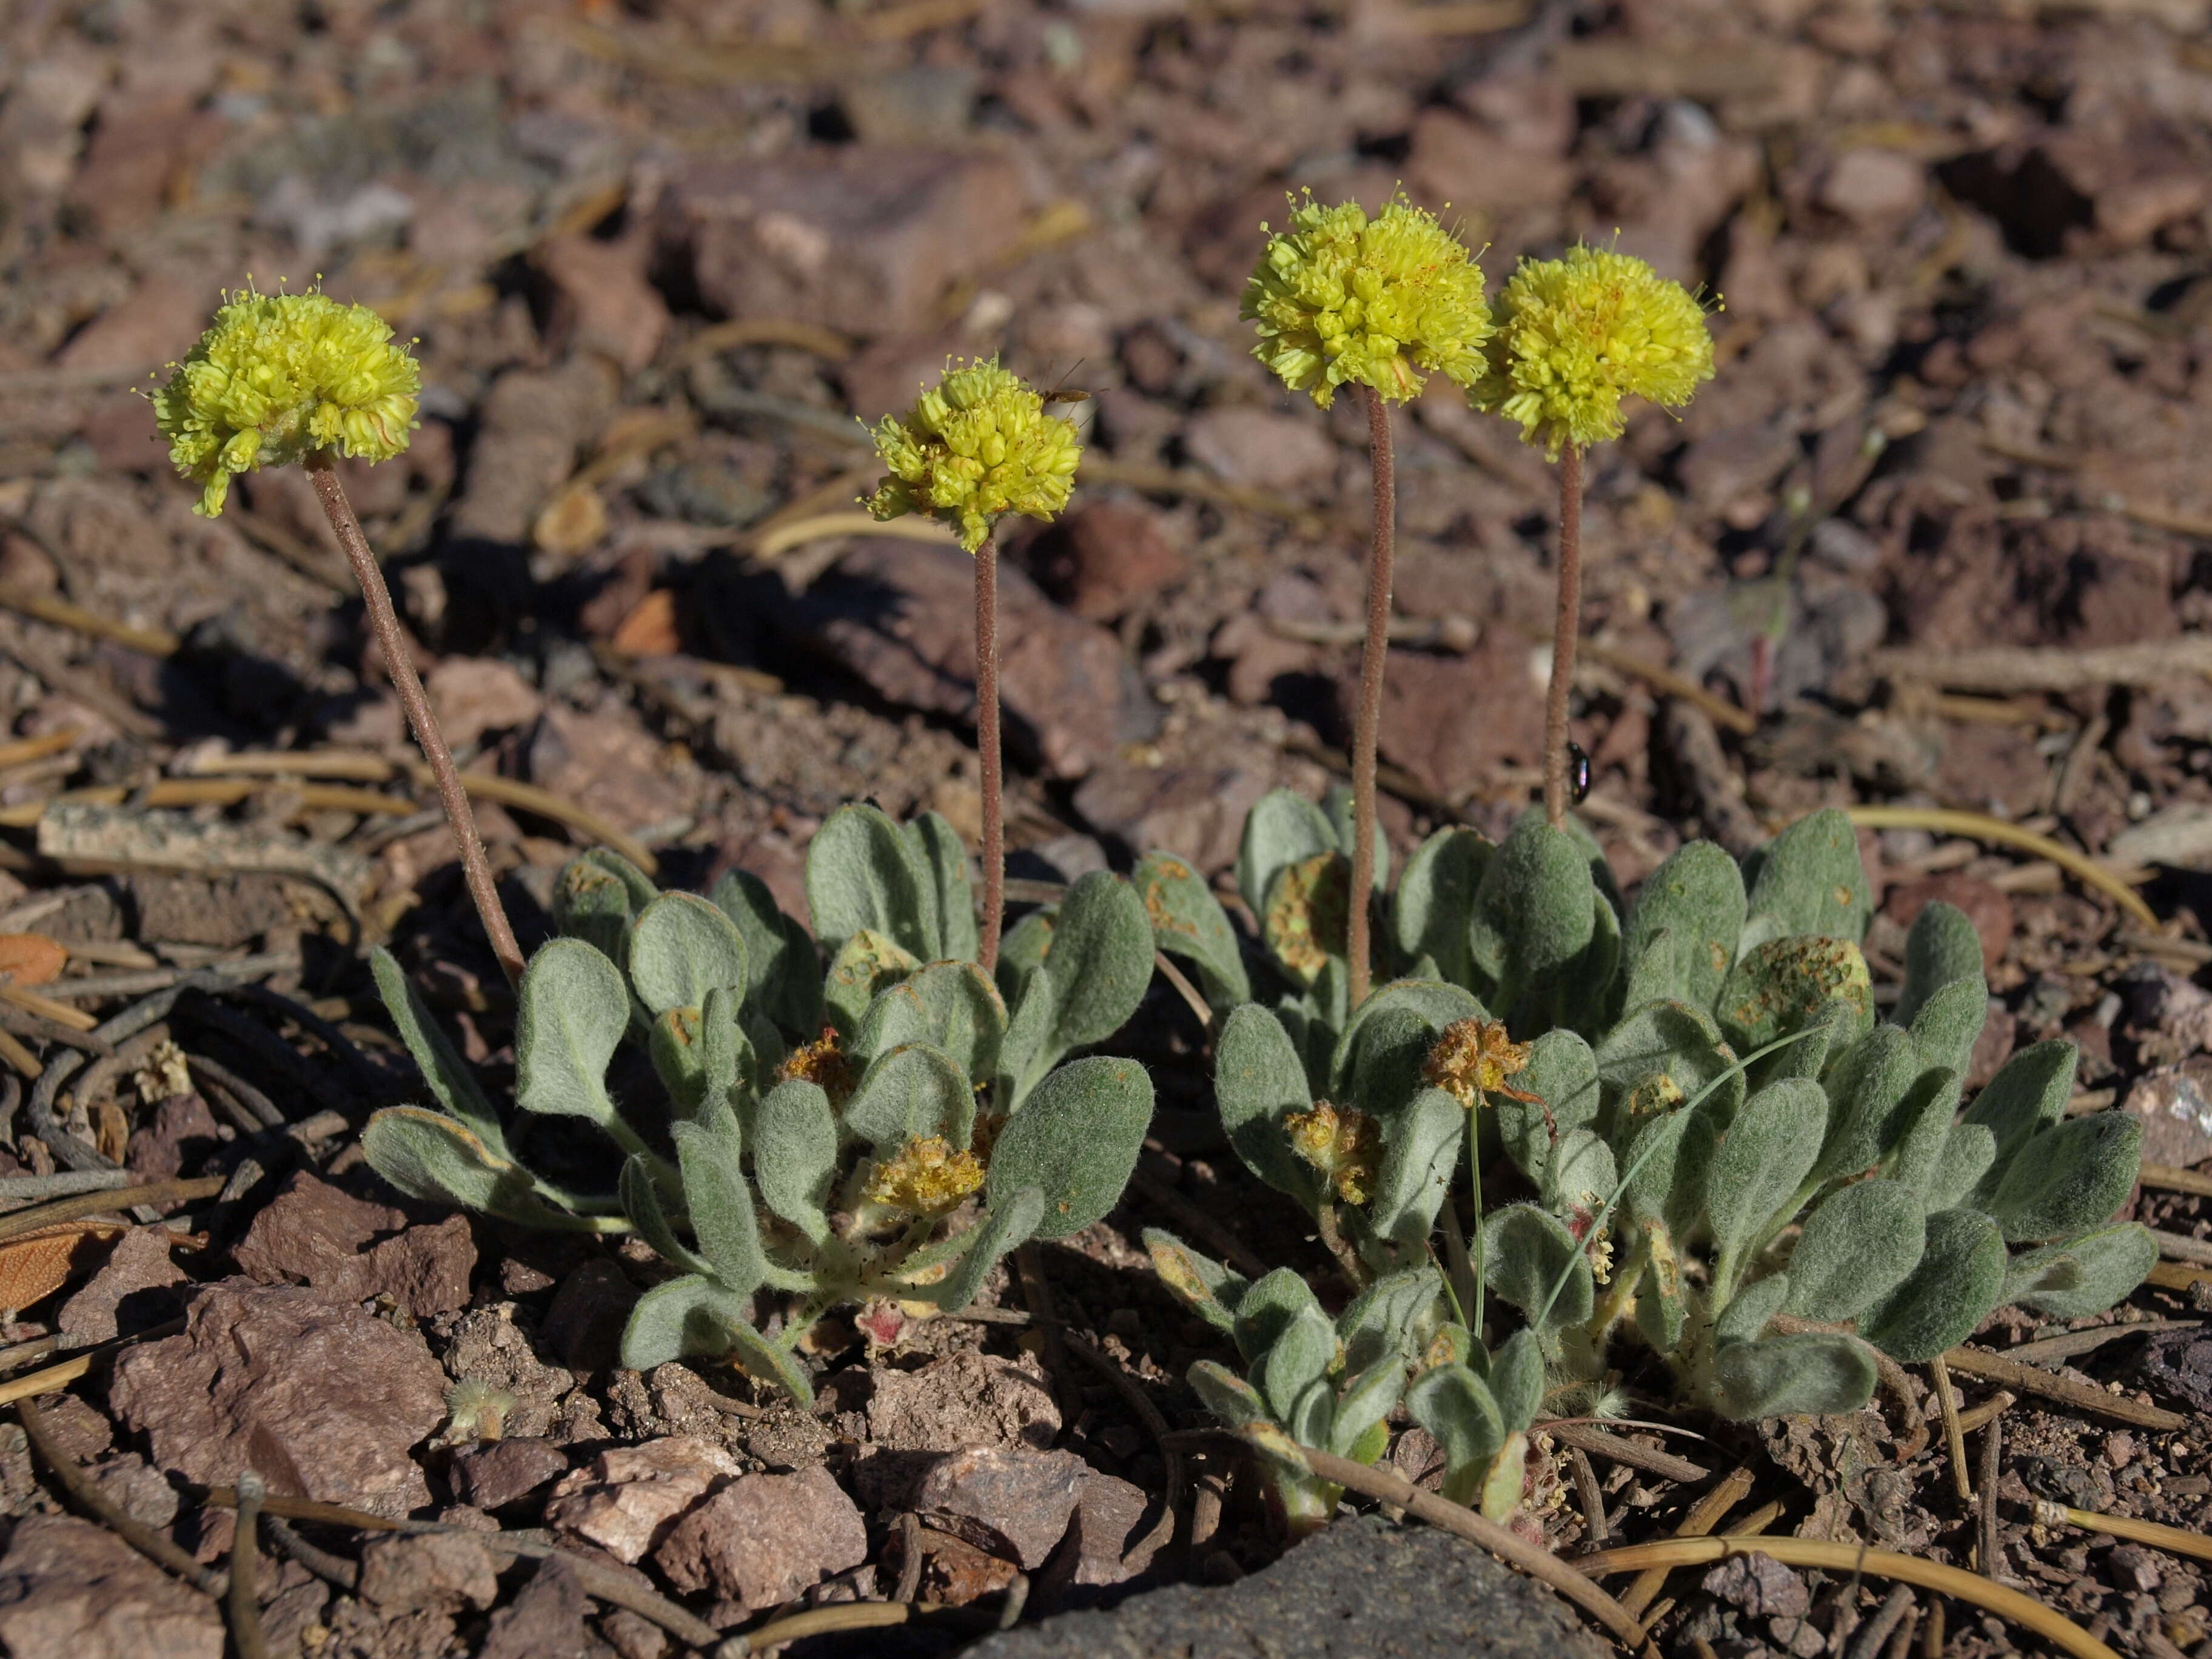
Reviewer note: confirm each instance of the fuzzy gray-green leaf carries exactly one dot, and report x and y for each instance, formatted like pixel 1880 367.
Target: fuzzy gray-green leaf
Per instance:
pixel 862 874
pixel 1284 829
pixel 1297 1358
pixel 913 1091
pixel 642 1203
pixel 1420 1150
pixel 1209 1290
pixel 1681 938
pixel 1258 1082
pixel 1960 1277
pixel 1854 1249
pixel 1941 949
pixel 1435 899
pixel 2069 1177
pixel 1810 880
pixel 1376 1061
pixel 722 1206
pixel 681 947
pixel 1787 984
pixel 1948 1023
pixel 867 965
pixel 1658 1058
pixel 1526 1252
pixel 451 1081
pixel 1750 1310
pixel 785 976
pixel 1533 911
pixel 1365 1402
pixel 1100 959
pixel 428 1155
pixel 1517 1380
pixel 1188 921
pixel 1007 1223
pixel 570 1016
pixel 794 1148
pixel 1226 1395
pixel 1461 1413
pixel 595 896
pixel 1762 1159
pixel 1866 1086
pixel 950 1005
pixel 1563 1073
pixel 1269 1306
pixel 1816 1374
pixel 2030 1090
pixel 1076 1138
pixel 948 896
pixel 2074 1278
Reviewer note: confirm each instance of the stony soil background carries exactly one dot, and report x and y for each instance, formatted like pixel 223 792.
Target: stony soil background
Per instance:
pixel 659 255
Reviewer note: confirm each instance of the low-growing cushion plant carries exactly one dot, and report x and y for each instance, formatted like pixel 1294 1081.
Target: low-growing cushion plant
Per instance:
pixel 816 1136
pixel 1730 1154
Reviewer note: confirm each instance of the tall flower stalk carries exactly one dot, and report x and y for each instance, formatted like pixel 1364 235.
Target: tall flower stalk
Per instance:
pixel 298 380
pixel 977 447
pixel 1340 299
pixel 1575 336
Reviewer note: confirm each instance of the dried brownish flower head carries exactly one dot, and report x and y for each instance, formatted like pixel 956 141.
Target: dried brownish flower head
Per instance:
pixel 1344 1145
pixel 1473 1059
pixel 823 1063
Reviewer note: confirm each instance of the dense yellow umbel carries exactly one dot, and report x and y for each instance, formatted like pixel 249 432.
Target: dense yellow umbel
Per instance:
pixel 976 447
pixel 279 376
pixel 1340 299
pixel 1578 334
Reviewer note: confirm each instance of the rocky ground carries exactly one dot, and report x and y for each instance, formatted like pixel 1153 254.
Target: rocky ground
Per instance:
pixel 657 256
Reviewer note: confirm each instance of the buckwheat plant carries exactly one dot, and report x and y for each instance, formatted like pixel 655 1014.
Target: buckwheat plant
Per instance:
pixel 977 447
pixel 878 1133
pixel 1576 335
pixel 293 379
pixel 1727 1155
pixel 1340 299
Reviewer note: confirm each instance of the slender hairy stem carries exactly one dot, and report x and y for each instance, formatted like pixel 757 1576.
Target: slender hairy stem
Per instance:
pixel 986 744
pixel 1565 626
pixel 1475 1263
pixel 400 664
pixel 1368 726
pixel 1347 1258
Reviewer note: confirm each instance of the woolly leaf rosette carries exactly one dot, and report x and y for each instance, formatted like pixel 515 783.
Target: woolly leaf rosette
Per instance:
pixel 1576 335
pixel 976 446
pixel 278 377
pixel 1340 299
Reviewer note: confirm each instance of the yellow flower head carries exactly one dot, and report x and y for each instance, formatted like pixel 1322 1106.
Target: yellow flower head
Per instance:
pixel 279 376
pixel 1344 1146
pixel 1576 335
pixel 1472 1060
pixel 822 1063
pixel 1341 298
pixel 926 1178
pixel 978 445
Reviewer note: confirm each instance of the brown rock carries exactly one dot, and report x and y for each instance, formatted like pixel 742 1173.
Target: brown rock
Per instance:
pixel 2175 1105
pixel 956 1573
pixel 130 1293
pixel 159 321
pixel 1109 1526
pixel 1449 721
pixel 183 1131
pixel 443 1572
pixel 965 1399
pixel 222 912
pixel 860 238
pixel 902 617
pixel 1012 1500
pixel 630 1497
pixel 1455 160
pixel 1196 812
pixel 1988 908
pixel 584 1325
pixel 546 1621
pixel 1259 658
pixel 533 423
pixel 1874 187
pixel 1103 560
pixel 765 1539
pixel 324 1400
pixel 1999 1030
pixel 498 1473
pixel 609 760
pixel 72 1590
pixel 604 300
pixel 472 696
pixel 312 1232
pixel 1263 449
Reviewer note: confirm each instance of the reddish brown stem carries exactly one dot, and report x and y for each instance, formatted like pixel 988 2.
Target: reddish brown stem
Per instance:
pixel 1566 626
pixel 986 744
pixel 400 664
pixel 1367 729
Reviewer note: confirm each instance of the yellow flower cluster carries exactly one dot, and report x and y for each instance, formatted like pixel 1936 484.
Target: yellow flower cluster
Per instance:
pixel 926 1178
pixel 1576 335
pixel 279 376
pixel 822 1063
pixel 978 445
pixel 1344 1145
pixel 1472 1060
pixel 1343 299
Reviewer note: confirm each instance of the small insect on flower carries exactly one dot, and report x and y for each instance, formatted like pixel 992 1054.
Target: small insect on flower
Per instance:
pixel 1578 334
pixel 1472 1058
pixel 977 447
pixel 1342 299
pixel 278 377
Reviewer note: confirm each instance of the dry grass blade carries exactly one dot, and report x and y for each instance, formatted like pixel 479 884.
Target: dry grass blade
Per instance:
pixel 816 1621
pixel 2084 1396
pixel 1842 1559
pixel 47 608
pixel 1954 1438
pixel 46 1008
pixel 1588 1437
pixel 2179 1246
pixel 2165 1177
pixel 1705 1515
pixel 774 544
pixel 19 1222
pixel 25 1062
pixel 21 750
pixel 1982 827
pixel 2170 1539
pixel 2174 1276
pixel 2003 669
pixel 1387 1487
